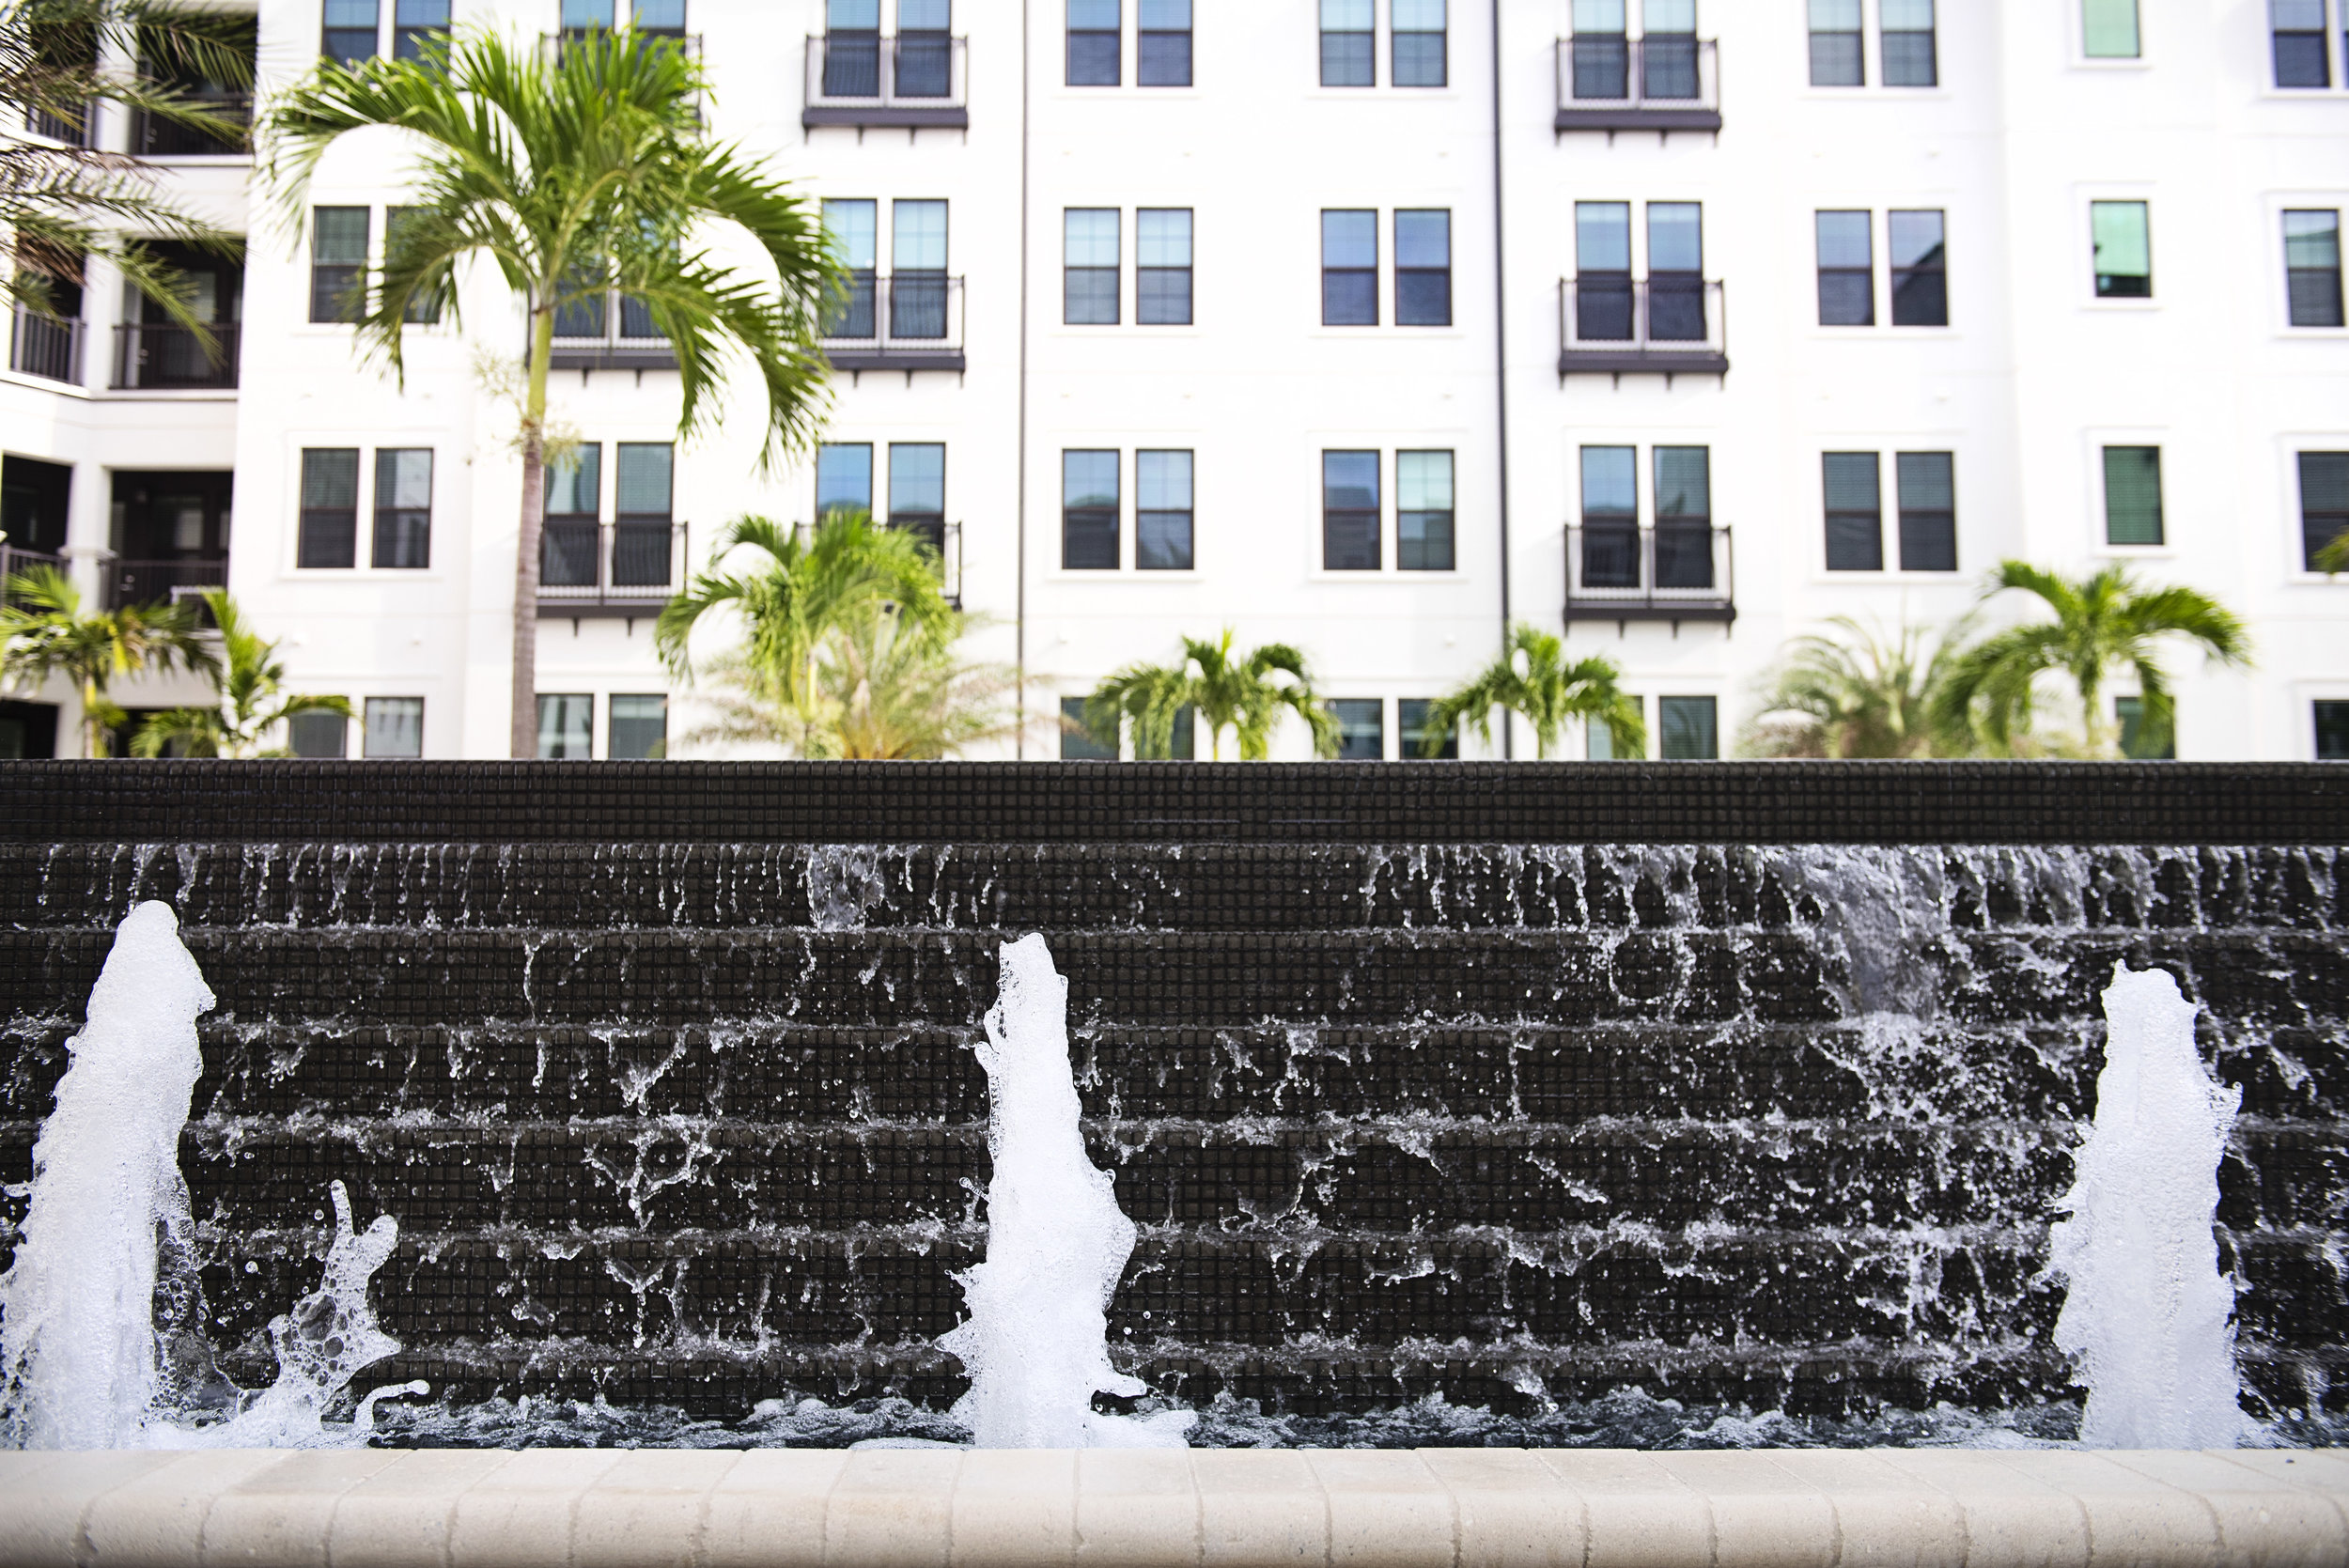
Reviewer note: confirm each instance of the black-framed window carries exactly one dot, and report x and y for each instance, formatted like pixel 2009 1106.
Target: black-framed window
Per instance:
pixel 1908 44
pixel 415 25
pixel 2128 714
pixel 2313 266
pixel 338 263
pixel 639 727
pixel 1362 728
pixel 1925 485
pixel 1914 244
pixel 917 489
pixel 852 225
pixel 1182 740
pixel 644 493
pixel 1349 511
pixel 2324 502
pixel 318 734
pixel 844 478
pixel 1162 266
pixel 1838 57
pixel 1598 741
pixel 2332 730
pixel 568 547
pixel 566 726
pixel 2109 30
pixel 1604 302
pixel 1847 288
pixel 1684 517
pixel 1350 266
pixel 423 309
pixel 575 482
pixel 1162 511
pixel 2121 232
pixel 36 498
pixel 1411 726
pixel 925 49
pixel 917 270
pixel 1422 511
pixel 1422 267
pixel 1349 43
pixel 1675 271
pixel 329 507
pixel 1667 50
pixel 1611 517
pixel 1090 259
pixel 403 507
pixel 1094 28
pixel 2133 495
pixel 392 727
pixel 1089 507
pixel 349 33
pixel 1162 47
pixel 1601 50
pixel 2296 28
pixel 1855 512
pixel 1076 742
pixel 1417 44
pixel 1690 728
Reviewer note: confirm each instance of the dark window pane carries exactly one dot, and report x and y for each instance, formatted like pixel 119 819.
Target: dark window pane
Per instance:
pixel 917 480
pixel 1921 298
pixel 2332 732
pixel 2324 502
pixel 1162 296
pixel 1692 728
pixel 2129 712
pixel 1611 552
pixel 1162 541
pixel 1668 68
pixel 1089 510
pixel 1675 307
pixel 403 507
pixel 567 550
pixel 639 729
pixel 566 728
pixel 338 263
pixel 1927 488
pixel 2122 234
pixel 1348 60
pixel 1411 727
pixel 917 306
pixel 1076 744
pixel 1163 60
pixel 1920 269
pixel 1684 554
pixel 1162 515
pixel 1419 59
pixel 2312 267
pixel 575 482
pixel 1604 307
pixel 1091 297
pixel 1350 298
pixel 1602 67
pixel 2133 495
pixel 1422 297
pixel 1855 515
pixel 1847 299
pixel 394 727
pixel 1362 728
pixel 924 64
pixel 644 479
pixel 318 734
pixel 1908 60
pixel 329 507
pixel 1836 60
pixel 844 478
pixel 2299 27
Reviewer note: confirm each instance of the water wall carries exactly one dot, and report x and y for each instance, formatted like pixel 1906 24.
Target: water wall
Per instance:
pixel 1737 1084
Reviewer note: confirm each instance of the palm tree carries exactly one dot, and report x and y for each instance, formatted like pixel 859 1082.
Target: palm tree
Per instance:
pixel 44 633
pixel 253 698
pixel 1858 696
pixel 881 696
pixel 1244 696
pixel 1532 677
pixel 577 176
pixel 2101 622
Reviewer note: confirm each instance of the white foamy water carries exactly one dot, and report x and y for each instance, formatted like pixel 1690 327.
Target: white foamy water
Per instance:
pixel 2146 1312
pixel 1035 1344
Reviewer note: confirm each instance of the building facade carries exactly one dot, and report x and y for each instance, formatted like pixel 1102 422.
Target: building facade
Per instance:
pixel 1366 325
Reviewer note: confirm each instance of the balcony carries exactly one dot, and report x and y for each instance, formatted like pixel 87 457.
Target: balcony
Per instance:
pixel 46 346
pixel 155 357
pixel 908 323
pixel 152 136
pixel 1667 325
pixel 947 539
pixel 915 81
pixel 1677 571
pixel 169 581
pixel 596 335
pixel 1663 83
pixel 608 570
pixel 83 133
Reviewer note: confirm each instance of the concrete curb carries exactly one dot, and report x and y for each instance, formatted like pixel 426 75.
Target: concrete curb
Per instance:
pixel 1472 1508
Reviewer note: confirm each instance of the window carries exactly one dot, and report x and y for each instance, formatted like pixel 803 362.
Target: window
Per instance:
pixel 1349 268
pixel 317 734
pixel 2324 502
pixel 1598 741
pixel 852 48
pixel 2133 495
pixel 1093 42
pixel 1603 298
pixel 2109 30
pixel 2297 28
pixel 424 308
pixel 642 486
pixel 567 728
pixel 1362 728
pixel 1667 50
pixel 1692 727
pixel 567 549
pixel 2122 233
pixel 1422 511
pixel 2312 267
pixel 917 490
pixel 1422 268
pixel 1848 290
pixel 1417 43
pixel 639 730
pixel 1838 56
pixel 1349 47
pixel 1162 511
pixel 416 24
pixel 2136 743
pixel 329 507
pixel 1412 727
pixel 1088 511
pixel 394 727
pixel 403 507
pixel 1089 258
pixel 917 270
pixel 1349 511
pixel 1908 51
pixel 844 478
pixel 349 36
pixel 852 225
pixel 2332 732
pixel 1927 485
pixel 1162 267
pixel 926 50
pixel 338 263
pixel 1602 54
pixel 1163 52
pixel 1076 742
pixel 1921 275
pixel 1675 271
pixel 1611 517
pixel 1182 740
pixel 1855 512
pixel 1684 517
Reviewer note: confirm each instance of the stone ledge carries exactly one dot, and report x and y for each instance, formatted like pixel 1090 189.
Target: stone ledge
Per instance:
pixel 889 1509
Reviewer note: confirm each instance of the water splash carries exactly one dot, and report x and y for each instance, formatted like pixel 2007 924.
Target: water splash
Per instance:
pixel 1037 1341
pixel 2147 1310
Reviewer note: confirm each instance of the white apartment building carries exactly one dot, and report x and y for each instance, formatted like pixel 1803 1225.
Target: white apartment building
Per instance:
pixel 1368 325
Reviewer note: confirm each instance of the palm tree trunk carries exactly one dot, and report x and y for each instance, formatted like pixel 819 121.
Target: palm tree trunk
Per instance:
pixel 526 548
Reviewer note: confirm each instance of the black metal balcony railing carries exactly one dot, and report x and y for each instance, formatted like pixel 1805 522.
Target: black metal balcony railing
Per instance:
pixel 1677 571
pixel 1666 83
pixel 162 357
pixel 153 137
pixel 943 538
pixel 58 129
pixel 630 567
pixel 13 561
pixel 1610 323
pixel 615 335
pixel 163 581
pixel 912 321
pixel 46 346
pixel 913 81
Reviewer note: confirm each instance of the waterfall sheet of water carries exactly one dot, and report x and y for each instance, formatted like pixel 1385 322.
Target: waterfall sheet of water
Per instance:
pixel 2147 1311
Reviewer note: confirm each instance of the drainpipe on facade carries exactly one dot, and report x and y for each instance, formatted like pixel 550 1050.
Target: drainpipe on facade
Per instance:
pixel 1019 611
pixel 1501 369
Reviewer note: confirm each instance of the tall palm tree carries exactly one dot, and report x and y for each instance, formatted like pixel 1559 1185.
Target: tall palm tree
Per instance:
pixel 253 698
pixel 1532 677
pixel 44 633
pixel 2103 623
pixel 1245 695
pixel 576 176
pixel 1859 696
